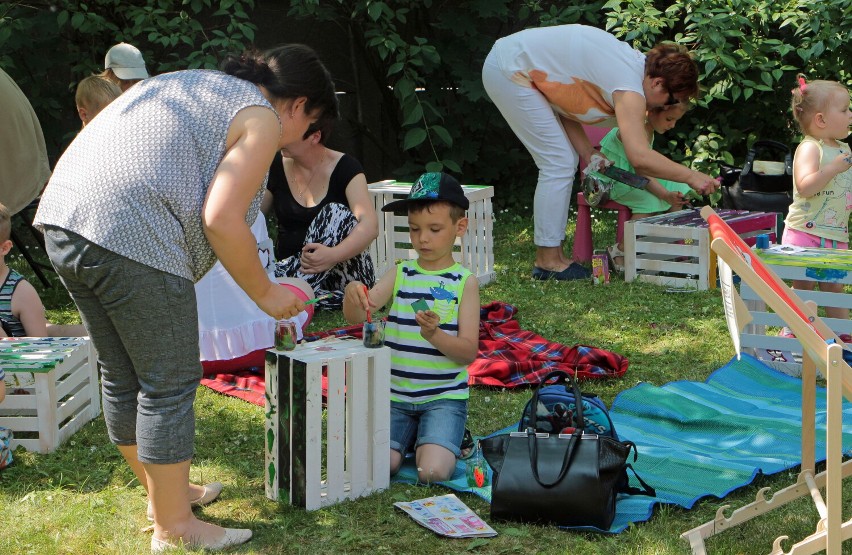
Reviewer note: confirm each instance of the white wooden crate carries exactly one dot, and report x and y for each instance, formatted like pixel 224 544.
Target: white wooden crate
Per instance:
pixel 352 447
pixel 673 249
pixel 785 353
pixel 475 250
pixel 51 389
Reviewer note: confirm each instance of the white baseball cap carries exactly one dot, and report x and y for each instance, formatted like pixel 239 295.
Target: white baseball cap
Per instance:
pixel 125 60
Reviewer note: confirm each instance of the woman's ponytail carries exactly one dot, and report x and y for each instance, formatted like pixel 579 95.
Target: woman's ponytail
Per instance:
pixel 251 65
pixel 288 72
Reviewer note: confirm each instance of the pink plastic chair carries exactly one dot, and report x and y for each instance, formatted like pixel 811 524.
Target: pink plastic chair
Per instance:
pixel 583 231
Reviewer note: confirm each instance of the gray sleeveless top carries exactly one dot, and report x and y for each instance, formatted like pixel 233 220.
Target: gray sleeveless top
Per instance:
pixel 134 180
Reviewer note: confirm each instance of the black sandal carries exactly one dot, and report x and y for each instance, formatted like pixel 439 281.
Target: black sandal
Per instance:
pixel 467 444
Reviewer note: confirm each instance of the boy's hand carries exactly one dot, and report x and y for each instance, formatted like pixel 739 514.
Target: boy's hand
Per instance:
pixel 428 322
pixel 355 302
pixel 355 294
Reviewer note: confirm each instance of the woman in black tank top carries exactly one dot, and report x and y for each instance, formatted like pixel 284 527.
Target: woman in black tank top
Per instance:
pixel 326 218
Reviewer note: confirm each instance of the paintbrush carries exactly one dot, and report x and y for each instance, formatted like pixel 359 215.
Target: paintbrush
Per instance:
pixel 318 299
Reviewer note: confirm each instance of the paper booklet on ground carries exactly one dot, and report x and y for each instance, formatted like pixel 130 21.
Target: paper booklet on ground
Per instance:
pixel 448 516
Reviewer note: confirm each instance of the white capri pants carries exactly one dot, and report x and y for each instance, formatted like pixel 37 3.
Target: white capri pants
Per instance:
pixel 532 119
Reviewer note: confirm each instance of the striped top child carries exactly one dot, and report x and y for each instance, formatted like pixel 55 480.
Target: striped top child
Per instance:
pixel 420 372
pixel 11 325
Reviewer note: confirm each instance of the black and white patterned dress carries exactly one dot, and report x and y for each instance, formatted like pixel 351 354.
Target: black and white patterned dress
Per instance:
pixel 328 223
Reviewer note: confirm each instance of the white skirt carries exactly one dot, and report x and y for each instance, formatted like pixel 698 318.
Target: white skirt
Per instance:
pixel 230 324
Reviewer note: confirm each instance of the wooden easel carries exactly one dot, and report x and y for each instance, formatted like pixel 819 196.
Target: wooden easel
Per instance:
pixel 824 488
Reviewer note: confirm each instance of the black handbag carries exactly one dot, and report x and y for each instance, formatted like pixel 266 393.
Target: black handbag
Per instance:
pixel 775 179
pixel 760 185
pixel 565 479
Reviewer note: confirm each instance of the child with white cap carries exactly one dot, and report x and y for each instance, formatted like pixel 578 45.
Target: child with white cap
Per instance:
pixel 124 66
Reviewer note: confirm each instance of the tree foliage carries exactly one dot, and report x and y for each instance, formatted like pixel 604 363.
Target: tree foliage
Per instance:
pixel 427 56
pixel 48 46
pixel 424 59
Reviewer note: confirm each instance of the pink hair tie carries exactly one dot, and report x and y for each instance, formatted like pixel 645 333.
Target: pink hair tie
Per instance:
pixel 802 84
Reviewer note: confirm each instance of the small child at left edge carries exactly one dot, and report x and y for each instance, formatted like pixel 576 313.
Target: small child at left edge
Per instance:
pixel 430 349
pixel 21 310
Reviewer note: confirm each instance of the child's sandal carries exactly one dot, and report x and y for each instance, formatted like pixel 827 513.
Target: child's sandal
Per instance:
pixel 467 447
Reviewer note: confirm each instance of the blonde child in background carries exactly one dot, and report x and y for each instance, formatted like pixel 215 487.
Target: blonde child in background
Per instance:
pixel 21 309
pixel 94 93
pixel 660 195
pixel 822 182
pixel 432 347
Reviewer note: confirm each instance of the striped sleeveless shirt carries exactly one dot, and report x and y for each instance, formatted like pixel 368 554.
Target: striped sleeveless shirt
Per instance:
pixel 12 326
pixel 419 372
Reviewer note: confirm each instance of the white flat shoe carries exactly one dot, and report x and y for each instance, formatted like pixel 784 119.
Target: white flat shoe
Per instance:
pixel 211 493
pixel 232 537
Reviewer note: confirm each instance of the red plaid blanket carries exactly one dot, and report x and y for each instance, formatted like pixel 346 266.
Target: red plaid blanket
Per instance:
pixel 511 357
pixel 508 357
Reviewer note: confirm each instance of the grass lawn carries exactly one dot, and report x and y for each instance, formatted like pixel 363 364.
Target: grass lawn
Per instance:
pixel 83 499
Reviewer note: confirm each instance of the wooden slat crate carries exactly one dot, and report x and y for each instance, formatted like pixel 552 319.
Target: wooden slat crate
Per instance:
pixel 785 353
pixel 352 448
pixel 475 250
pixel 51 389
pixel 673 249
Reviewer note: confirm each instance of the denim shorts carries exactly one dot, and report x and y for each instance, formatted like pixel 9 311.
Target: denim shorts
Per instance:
pixel 439 422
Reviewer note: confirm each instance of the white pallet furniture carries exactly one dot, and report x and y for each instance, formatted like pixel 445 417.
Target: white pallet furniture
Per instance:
pixel 51 389
pixel 822 352
pixel 673 249
pixel 785 353
pixel 351 446
pixel 475 250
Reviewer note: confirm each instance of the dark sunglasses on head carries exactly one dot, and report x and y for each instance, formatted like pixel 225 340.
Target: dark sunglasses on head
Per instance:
pixel 672 100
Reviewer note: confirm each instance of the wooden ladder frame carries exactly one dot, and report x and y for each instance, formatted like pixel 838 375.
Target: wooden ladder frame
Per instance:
pixel 818 354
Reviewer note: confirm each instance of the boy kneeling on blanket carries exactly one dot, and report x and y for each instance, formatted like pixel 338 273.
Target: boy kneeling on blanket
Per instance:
pixel 432 329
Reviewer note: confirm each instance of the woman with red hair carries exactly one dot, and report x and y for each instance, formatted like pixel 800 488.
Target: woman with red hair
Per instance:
pixel 550 81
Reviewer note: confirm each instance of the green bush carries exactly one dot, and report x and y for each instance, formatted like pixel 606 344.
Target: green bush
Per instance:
pixel 431 53
pixel 425 57
pixel 48 46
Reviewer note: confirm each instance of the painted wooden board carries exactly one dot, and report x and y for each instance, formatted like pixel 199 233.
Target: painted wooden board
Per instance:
pixel 311 461
pixel 52 389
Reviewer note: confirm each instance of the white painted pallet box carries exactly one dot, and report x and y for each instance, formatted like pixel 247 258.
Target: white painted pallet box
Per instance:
pixel 673 249
pixel 352 446
pixel 52 389
pixel 760 337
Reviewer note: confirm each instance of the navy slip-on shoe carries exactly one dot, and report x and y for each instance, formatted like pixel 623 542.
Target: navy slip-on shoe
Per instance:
pixel 572 272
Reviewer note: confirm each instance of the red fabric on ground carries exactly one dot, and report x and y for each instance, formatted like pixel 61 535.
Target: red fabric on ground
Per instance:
pixel 511 357
pixel 508 357
pixel 254 358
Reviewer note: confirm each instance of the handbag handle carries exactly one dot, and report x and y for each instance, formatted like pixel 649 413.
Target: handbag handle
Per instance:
pixel 561 377
pixel 772 145
pixel 532 439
